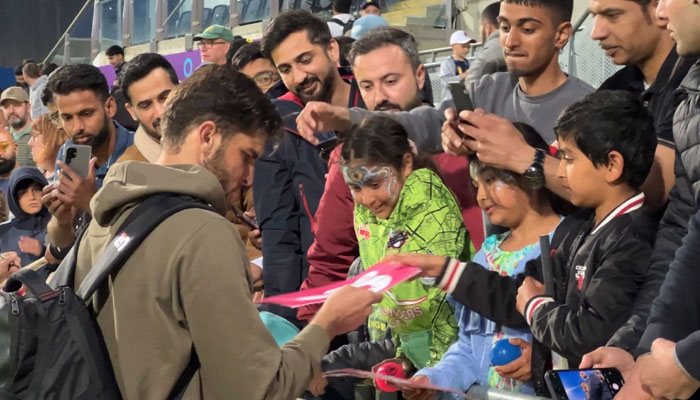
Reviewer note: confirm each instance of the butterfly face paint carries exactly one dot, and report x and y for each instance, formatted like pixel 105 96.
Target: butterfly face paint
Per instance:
pixel 376 188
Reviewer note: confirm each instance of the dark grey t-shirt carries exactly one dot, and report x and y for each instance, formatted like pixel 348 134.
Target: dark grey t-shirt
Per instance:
pixel 500 94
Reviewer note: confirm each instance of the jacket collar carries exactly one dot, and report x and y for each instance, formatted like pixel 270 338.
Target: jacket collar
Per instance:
pixel 634 203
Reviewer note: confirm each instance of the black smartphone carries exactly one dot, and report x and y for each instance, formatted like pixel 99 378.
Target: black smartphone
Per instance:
pixel 460 96
pixel 584 384
pixel 251 222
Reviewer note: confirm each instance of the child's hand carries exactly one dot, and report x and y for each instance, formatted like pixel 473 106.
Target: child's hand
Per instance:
pixel 30 246
pixel 519 369
pixel 529 289
pixel 430 266
pixel 419 394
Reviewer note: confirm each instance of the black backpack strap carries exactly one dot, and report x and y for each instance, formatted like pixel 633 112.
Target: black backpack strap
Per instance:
pixel 137 226
pixel 337 21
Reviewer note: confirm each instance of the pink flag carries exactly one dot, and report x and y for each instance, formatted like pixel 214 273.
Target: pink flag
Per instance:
pixel 397 382
pixel 377 279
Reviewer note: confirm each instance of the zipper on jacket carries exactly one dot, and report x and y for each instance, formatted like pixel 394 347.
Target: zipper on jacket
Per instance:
pixel 306 207
pixel 14 306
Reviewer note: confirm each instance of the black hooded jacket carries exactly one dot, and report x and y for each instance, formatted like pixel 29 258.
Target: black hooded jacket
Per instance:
pixel 23 224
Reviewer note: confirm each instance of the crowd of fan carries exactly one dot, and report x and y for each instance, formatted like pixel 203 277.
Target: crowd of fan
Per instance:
pixel 319 157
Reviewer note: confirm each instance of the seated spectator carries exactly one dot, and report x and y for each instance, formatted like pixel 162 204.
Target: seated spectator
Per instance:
pixel 47 139
pixel 250 60
pixel 608 142
pixel 25 233
pixel 401 206
pixel 528 214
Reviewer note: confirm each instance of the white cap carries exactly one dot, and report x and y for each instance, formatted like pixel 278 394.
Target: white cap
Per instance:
pixel 459 37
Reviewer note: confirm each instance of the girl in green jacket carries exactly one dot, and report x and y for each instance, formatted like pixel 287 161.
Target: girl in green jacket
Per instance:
pixel 402 206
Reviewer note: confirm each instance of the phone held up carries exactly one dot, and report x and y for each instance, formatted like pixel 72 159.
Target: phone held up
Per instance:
pixel 584 384
pixel 462 101
pixel 77 157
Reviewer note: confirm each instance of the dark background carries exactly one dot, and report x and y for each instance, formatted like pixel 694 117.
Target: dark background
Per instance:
pixel 30 28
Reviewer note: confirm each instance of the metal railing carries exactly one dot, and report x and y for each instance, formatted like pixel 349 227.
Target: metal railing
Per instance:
pixel 572 40
pixel 64 40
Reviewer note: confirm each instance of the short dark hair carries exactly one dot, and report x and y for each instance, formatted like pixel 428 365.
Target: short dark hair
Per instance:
pixel 32 70
pixel 70 78
pixel 562 10
pixel 385 36
pixel 142 65
pixel 490 13
pixel 114 50
pixel 246 55
pixel 382 140
pixel 344 45
pixel 223 95
pixel 49 68
pixel 291 22
pixel 342 6
pixel 608 121
pixel 238 42
pixel 18 70
pixel 46 96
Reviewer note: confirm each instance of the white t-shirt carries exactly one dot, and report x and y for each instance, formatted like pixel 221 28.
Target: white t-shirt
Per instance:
pixel 336 28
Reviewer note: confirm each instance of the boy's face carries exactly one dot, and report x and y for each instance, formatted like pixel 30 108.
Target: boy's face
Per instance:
pixel 29 199
pixel 580 176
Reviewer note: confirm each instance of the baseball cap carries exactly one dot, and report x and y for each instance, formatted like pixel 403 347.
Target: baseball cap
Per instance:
pixel 366 24
pixel 459 37
pixel 368 3
pixel 215 32
pixel 14 93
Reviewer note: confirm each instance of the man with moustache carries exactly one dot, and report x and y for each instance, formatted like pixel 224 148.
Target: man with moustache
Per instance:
pixel 85 109
pixel 147 80
pixel 8 163
pixel 16 108
pixel 289 180
pixel 385 86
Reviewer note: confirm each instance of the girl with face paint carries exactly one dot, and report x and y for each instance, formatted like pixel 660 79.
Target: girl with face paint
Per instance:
pixel 402 206
pixel 507 201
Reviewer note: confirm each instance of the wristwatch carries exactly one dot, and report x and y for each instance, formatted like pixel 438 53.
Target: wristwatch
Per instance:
pixel 534 176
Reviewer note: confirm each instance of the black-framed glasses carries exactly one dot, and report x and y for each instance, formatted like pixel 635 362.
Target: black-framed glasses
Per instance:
pixel 266 78
pixel 208 43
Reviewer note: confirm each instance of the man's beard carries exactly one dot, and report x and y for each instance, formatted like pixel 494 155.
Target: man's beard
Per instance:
pixel 7 164
pixel 416 101
pixel 324 94
pixel 215 165
pixel 95 141
pixel 21 122
pixel 155 132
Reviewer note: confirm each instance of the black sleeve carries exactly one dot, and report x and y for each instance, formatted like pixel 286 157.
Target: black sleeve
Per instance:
pixel 672 229
pixel 278 214
pixel 605 303
pixel 687 351
pixel 675 313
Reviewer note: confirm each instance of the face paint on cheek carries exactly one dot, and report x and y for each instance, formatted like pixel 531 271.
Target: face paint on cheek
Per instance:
pixel 392 186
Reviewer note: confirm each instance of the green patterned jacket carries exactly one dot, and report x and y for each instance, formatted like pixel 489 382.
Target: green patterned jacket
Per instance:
pixel 426 220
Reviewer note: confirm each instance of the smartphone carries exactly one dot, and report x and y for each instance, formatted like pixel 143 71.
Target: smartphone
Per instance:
pixel 584 384
pixel 77 156
pixel 460 96
pixel 251 222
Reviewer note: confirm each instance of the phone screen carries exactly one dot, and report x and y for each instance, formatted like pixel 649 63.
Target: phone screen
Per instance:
pixel 591 384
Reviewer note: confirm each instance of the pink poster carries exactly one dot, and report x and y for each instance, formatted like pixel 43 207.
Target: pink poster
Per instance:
pixel 377 279
pixel 399 383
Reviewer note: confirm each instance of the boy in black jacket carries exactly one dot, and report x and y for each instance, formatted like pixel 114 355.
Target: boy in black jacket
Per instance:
pixel 607 141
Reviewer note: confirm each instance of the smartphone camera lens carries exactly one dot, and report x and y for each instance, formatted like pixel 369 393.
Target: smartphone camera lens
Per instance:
pixel 70 154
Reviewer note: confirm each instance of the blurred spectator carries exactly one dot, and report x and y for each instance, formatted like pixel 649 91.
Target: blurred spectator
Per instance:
pixel 15 106
pixel 370 7
pixel 47 137
pixel 115 56
pixel 342 20
pixel 26 232
pixel 214 43
pixel 238 42
pixel 366 24
pixel 489 58
pixel 454 68
pixel 49 68
pixel 8 160
pixel 250 60
pixel 19 77
pixel 37 82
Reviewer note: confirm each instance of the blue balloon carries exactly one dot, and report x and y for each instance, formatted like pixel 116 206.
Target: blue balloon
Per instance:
pixel 503 352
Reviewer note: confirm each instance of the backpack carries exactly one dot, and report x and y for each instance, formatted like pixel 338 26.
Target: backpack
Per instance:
pixel 50 344
pixel 347 26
